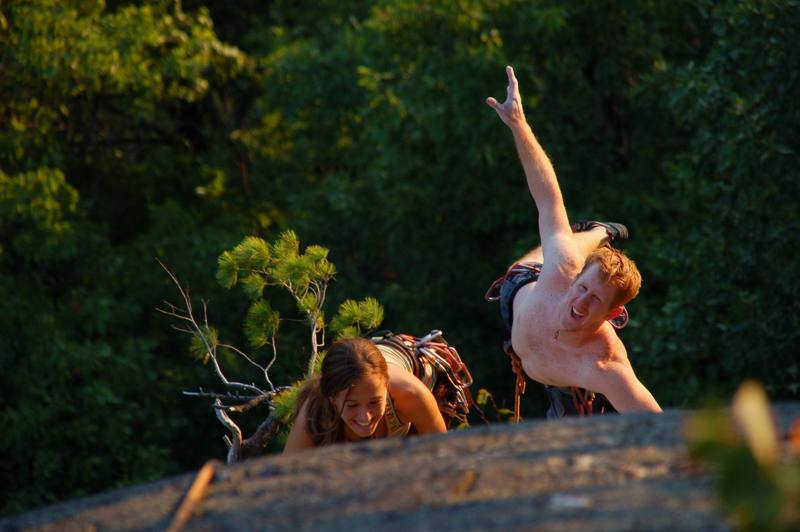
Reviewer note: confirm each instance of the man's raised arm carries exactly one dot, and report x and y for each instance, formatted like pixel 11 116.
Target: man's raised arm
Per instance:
pixel 539 171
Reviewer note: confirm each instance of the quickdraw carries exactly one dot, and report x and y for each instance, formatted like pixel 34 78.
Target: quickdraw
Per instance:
pixel 519 389
pixel 582 400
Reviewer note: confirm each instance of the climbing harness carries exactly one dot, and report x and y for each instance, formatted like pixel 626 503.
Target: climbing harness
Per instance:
pixel 494 293
pixel 581 402
pixel 572 401
pixel 434 362
pixel 533 268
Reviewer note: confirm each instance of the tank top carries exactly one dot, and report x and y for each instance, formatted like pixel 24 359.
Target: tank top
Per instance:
pixel 394 426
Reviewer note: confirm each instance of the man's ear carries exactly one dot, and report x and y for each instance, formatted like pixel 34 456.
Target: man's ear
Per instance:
pixel 615 312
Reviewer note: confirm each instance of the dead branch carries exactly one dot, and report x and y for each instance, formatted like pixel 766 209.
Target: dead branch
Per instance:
pixel 235 441
pixel 234 397
pixel 248 405
pixel 265 432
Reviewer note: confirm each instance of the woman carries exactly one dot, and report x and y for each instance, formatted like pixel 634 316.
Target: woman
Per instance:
pixel 358 396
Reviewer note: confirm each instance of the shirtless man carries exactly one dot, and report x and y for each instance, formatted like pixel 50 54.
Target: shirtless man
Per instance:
pixel 560 307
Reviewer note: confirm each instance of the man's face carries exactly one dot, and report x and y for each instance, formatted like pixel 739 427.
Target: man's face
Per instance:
pixel 362 406
pixel 588 301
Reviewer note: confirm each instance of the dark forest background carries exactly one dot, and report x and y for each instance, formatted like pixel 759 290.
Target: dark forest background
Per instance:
pixel 131 131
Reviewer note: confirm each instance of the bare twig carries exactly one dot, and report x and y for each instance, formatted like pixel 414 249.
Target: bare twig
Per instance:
pixel 181 329
pixel 195 330
pixel 271 362
pixel 243 355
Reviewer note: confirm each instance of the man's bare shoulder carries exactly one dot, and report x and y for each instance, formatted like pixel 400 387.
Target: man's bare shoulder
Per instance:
pixel 610 359
pixel 608 349
pixel 595 360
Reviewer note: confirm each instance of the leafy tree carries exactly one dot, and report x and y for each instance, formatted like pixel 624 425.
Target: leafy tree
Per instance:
pixel 255 265
pixel 94 102
pixel 729 309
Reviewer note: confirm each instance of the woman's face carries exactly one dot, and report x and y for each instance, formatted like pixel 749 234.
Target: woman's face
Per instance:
pixel 362 406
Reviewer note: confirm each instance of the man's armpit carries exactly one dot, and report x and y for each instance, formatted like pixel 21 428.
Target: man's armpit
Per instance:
pixel 564 255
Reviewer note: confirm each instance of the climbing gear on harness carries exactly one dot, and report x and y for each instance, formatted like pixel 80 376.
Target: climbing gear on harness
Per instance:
pixel 616 231
pixel 620 321
pixel 519 389
pixel 434 362
pixel 571 401
pixel 493 293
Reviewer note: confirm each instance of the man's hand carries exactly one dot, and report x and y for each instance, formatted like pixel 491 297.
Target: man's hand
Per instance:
pixel 510 112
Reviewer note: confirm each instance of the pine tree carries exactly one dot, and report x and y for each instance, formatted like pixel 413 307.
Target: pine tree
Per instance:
pixel 255 265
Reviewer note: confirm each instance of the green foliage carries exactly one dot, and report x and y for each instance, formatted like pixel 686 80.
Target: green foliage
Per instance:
pixel 203 343
pixel 757 486
pixel 227 271
pixel 283 402
pixel 36 207
pixel 355 318
pixel 253 285
pixel 255 264
pixel 97 150
pixel 725 271
pixel 489 411
pixel 252 255
pixel 261 324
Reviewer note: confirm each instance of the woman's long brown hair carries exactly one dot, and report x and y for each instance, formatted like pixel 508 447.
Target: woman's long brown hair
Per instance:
pixel 345 363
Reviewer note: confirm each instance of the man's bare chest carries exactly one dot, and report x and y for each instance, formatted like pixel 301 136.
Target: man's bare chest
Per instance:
pixel 536 338
pixel 546 350
pixel 548 361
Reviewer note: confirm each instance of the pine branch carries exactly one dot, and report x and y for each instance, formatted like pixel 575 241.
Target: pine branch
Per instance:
pixel 254 265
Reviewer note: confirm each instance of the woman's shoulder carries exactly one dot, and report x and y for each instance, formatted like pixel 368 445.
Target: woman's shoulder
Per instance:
pixel 407 392
pixel 299 438
pixel 301 414
pixel 414 402
pixel 402 383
